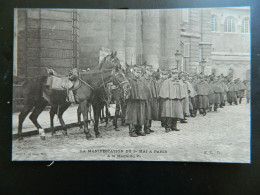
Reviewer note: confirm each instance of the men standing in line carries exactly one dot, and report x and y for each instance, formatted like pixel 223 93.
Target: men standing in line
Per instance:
pixel 136 104
pixel 172 94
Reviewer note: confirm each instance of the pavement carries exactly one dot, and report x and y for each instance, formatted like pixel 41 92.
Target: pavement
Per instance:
pixel 222 136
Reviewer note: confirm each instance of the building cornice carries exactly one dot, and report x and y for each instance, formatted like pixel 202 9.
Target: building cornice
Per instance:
pixel 187 34
pixel 205 43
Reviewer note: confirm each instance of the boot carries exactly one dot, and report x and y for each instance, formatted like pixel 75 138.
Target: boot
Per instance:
pixel 138 130
pixel 146 130
pixel 195 113
pixel 247 101
pixel 236 102
pixel 240 100
pixel 174 125
pixel 204 112
pixel 132 131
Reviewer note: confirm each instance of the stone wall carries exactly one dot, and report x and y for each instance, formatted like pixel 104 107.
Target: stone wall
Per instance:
pixel 46 38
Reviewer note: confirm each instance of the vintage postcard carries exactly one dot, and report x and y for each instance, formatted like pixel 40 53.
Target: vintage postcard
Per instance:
pixel 132 85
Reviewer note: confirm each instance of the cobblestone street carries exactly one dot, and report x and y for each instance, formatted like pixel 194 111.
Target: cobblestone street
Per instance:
pixel 222 136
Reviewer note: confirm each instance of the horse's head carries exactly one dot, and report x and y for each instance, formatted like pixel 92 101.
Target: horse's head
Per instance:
pixel 120 79
pixel 73 74
pixel 110 62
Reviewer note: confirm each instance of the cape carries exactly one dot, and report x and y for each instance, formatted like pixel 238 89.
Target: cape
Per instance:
pixel 172 90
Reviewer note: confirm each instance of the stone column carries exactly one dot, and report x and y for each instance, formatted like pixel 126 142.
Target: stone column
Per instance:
pixel 131 36
pixel 118 33
pixel 151 37
pixel 171 35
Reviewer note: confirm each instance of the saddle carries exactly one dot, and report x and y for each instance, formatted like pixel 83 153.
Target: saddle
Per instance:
pixel 59 83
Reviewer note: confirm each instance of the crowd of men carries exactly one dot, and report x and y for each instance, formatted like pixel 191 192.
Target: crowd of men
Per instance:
pixel 172 96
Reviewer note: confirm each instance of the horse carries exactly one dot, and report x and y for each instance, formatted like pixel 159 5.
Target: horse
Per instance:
pixel 92 90
pixel 34 101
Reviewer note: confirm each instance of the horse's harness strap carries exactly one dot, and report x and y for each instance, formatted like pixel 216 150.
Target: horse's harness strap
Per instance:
pixel 86 83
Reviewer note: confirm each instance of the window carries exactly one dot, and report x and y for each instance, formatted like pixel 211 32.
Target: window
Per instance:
pixel 214 24
pixel 229 25
pixel 245 26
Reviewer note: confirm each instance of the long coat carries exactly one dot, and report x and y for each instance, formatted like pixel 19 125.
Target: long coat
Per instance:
pixel 218 90
pixel 152 102
pixel 202 98
pixel 232 92
pixel 172 94
pixel 241 89
pixel 136 103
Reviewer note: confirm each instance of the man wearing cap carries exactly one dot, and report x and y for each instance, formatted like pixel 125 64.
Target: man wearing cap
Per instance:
pixel 172 94
pixel 152 101
pixel 136 104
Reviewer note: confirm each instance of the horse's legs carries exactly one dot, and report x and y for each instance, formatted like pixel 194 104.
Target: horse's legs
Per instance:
pixel 97 111
pixel 107 115
pixel 79 117
pixel 84 109
pixel 22 116
pixel 53 111
pixel 61 110
pixel 102 114
pixel 36 112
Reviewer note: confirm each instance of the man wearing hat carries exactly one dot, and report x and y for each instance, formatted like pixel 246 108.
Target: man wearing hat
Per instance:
pixel 136 104
pixel 172 94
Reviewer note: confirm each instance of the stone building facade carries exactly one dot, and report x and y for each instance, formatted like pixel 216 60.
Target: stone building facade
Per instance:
pixel 45 38
pixel 65 38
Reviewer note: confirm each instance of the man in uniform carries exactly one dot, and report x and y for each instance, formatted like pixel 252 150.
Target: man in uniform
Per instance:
pixel 152 101
pixel 172 94
pixel 136 103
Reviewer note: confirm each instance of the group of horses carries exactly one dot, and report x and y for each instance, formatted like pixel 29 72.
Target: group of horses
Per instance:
pixel 89 89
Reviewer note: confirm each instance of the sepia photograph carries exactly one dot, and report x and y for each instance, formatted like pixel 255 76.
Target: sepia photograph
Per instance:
pixel 132 85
